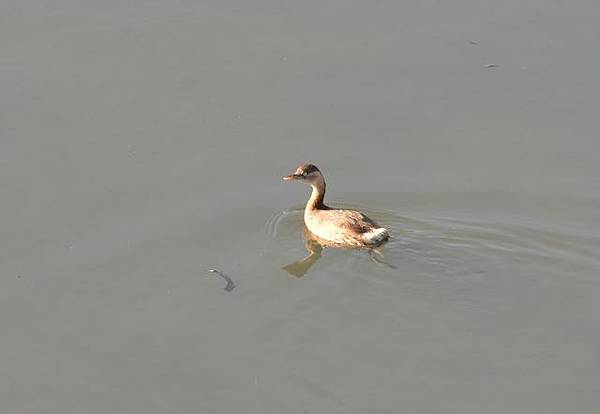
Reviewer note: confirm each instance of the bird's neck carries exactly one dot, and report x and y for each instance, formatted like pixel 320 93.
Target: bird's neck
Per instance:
pixel 315 201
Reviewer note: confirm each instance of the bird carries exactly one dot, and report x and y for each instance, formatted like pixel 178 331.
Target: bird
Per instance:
pixel 340 227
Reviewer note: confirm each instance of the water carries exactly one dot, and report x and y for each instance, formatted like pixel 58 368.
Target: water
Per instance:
pixel 442 245
pixel 143 145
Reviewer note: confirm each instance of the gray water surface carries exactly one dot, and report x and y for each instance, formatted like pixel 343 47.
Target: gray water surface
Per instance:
pixel 143 144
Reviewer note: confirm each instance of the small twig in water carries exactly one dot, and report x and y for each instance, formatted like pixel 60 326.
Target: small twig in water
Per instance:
pixel 230 285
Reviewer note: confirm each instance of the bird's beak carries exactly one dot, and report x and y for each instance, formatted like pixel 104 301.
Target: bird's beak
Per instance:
pixel 290 177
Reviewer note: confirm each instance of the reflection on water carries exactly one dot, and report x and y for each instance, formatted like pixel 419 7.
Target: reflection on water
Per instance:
pixel 314 249
pixel 314 246
pixel 443 245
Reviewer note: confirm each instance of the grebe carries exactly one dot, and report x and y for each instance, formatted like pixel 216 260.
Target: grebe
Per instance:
pixel 341 227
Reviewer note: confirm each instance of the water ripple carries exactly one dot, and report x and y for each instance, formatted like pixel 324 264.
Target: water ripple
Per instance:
pixel 458 245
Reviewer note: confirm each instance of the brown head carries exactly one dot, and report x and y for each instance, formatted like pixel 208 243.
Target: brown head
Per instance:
pixel 308 173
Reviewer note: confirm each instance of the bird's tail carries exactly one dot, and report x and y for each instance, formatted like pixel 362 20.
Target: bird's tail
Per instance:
pixel 375 236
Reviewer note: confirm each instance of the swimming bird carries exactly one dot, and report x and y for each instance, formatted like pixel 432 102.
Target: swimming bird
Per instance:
pixel 345 228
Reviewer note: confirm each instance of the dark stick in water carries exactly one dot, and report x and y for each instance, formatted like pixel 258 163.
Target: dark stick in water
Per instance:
pixel 230 285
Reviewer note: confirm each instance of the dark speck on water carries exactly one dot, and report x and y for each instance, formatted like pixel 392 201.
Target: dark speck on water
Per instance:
pixel 230 285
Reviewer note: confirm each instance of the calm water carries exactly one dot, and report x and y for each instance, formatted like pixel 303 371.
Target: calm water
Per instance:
pixel 143 144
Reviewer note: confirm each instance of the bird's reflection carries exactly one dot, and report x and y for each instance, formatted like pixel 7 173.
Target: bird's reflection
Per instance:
pixel 314 246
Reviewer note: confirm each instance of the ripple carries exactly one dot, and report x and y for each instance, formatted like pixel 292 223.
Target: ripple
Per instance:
pixel 458 245
pixel 285 223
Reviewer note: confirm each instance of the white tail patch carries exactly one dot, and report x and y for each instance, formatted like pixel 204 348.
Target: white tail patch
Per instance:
pixel 375 236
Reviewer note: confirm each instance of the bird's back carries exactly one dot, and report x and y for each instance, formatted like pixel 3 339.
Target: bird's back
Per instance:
pixel 344 226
